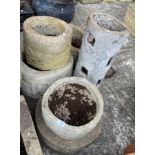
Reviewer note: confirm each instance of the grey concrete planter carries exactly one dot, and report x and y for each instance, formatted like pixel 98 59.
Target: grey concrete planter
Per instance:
pixel 34 82
pixel 103 38
pixel 59 127
pixel 47 42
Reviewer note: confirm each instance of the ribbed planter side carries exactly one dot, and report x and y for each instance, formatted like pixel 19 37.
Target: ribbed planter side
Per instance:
pixel 47 42
pixel 103 37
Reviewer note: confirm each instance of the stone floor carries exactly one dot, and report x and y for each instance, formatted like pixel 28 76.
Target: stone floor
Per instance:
pixel 118 91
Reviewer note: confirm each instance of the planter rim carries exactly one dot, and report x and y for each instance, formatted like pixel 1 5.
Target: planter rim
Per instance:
pixel 27 27
pixel 124 32
pixel 77 130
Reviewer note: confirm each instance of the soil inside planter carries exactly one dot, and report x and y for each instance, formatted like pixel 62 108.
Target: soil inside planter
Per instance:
pixel 108 23
pixel 73 104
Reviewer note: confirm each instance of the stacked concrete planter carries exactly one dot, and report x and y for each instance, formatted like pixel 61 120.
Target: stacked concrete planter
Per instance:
pixel 46 56
pixel 59 135
pixel 103 37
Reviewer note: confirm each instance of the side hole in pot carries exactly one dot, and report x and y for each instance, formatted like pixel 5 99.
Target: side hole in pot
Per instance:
pixel 99 81
pixel 91 39
pixel 84 70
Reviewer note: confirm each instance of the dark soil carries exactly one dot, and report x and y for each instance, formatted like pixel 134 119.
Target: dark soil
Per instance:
pixel 73 104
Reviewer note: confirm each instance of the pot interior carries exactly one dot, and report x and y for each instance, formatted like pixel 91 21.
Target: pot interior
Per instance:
pixel 48 27
pixel 73 104
pixel 108 22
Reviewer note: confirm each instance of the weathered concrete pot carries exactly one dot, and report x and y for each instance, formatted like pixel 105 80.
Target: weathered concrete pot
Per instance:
pixel 35 82
pixel 103 37
pixel 59 144
pixel 47 42
pixel 61 128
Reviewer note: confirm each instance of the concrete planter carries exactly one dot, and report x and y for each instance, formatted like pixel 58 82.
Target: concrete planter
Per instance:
pixel 59 127
pixel 59 144
pixel 89 1
pixel 34 82
pixel 103 37
pixel 130 18
pixel 47 42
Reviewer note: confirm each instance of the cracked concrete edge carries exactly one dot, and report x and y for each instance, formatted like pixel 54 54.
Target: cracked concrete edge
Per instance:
pixel 27 129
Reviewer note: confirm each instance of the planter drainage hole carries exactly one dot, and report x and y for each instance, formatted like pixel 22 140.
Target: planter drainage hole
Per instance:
pixel 91 39
pixel 108 22
pixel 84 70
pixel 73 104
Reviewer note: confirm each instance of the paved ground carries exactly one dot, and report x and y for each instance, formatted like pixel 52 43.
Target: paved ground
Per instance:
pixel 118 91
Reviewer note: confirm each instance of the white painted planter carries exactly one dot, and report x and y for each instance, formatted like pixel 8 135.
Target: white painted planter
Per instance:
pixel 34 82
pixel 59 127
pixel 103 37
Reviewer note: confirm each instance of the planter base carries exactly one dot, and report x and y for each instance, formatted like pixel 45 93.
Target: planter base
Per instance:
pixel 59 144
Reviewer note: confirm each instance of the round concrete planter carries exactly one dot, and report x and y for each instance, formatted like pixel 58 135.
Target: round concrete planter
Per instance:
pixel 59 127
pixel 102 39
pixel 34 82
pixel 59 144
pixel 47 42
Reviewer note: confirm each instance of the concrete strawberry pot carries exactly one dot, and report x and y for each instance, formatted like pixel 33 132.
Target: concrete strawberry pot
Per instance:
pixel 102 39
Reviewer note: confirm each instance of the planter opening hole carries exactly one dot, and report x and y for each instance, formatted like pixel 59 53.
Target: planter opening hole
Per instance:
pixel 98 82
pixel 48 29
pixel 91 39
pixel 108 23
pixel 73 104
pixel 84 70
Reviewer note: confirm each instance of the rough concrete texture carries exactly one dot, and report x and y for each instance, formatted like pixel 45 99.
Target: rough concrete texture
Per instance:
pixel 103 37
pixel 59 144
pixel 119 91
pixel 28 132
